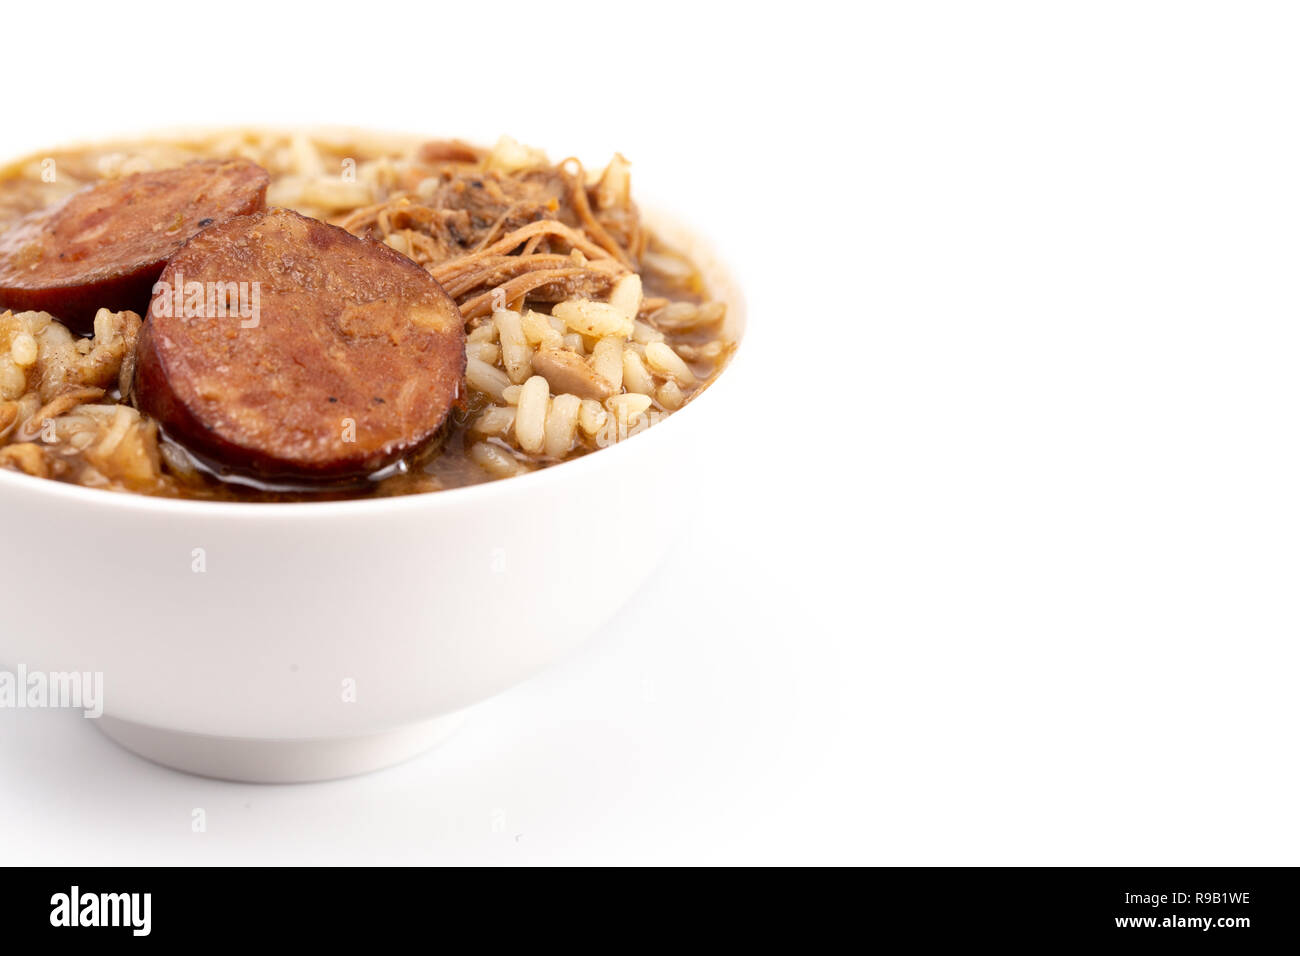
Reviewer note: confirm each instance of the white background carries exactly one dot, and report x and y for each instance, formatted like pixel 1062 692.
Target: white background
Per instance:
pixel 1001 565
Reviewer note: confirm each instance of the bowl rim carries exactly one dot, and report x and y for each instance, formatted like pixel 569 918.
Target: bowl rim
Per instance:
pixel 702 247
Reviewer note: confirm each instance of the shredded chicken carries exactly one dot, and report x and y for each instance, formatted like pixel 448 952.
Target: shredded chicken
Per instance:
pixel 493 231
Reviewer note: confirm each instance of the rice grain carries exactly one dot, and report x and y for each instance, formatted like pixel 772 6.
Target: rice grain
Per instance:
pixel 488 379
pixel 593 318
pixel 530 417
pixel 607 360
pixel 661 358
pixel 561 424
pixel 635 376
pixel 516 354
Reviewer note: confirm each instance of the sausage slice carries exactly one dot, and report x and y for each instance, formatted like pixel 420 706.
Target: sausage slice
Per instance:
pixel 345 356
pixel 105 245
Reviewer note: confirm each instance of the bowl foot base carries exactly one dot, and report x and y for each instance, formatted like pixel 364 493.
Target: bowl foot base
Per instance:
pixel 254 760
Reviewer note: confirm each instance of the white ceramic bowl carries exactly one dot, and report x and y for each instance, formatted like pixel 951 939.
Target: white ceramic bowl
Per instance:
pixel 422 605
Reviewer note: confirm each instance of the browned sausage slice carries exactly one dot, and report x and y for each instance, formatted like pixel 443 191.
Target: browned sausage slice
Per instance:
pixel 345 356
pixel 105 245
